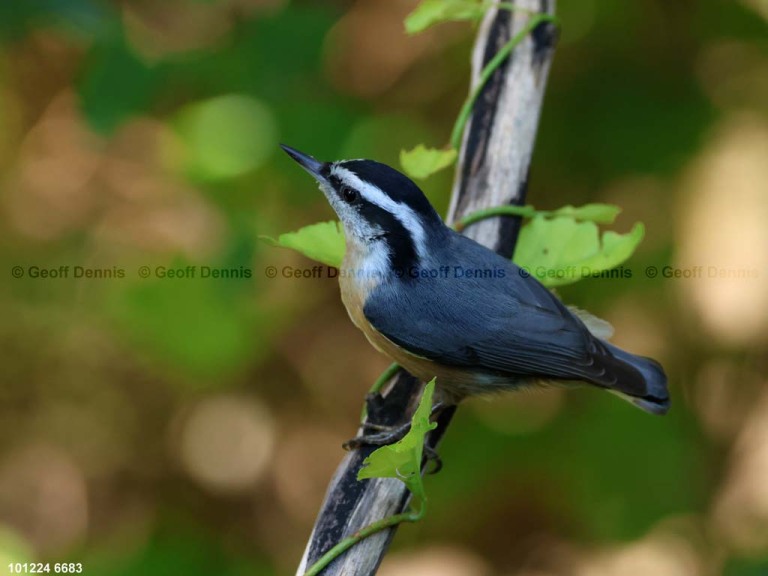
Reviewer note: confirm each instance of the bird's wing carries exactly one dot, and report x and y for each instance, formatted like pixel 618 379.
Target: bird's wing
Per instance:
pixel 513 337
pixel 507 323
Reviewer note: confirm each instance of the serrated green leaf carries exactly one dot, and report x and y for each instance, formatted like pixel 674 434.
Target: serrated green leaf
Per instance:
pixel 431 12
pixel 422 162
pixel 323 242
pixel 560 251
pixel 402 460
pixel 600 213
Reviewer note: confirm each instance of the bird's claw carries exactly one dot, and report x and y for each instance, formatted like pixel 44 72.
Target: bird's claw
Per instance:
pixel 386 435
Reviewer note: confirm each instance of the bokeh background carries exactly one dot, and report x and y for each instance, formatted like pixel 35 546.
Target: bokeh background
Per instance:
pixel 153 426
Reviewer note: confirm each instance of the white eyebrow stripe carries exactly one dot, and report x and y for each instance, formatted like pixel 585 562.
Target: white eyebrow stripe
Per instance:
pixel 404 213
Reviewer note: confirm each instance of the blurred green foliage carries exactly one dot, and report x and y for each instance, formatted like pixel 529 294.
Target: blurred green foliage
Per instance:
pixel 145 134
pixel 118 84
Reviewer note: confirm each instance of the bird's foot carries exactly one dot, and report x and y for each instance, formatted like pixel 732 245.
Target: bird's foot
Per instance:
pixel 384 435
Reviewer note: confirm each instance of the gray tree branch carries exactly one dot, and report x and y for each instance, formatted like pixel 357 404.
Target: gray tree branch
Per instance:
pixel 492 171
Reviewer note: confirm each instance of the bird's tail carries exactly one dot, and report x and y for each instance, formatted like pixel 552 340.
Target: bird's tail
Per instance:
pixel 640 380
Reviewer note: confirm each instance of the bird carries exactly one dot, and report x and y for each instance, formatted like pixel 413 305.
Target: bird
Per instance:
pixel 446 307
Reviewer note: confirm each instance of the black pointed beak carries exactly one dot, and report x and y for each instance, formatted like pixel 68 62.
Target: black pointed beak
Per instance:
pixel 306 161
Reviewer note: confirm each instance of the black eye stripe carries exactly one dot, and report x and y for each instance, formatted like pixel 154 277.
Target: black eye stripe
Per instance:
pixel 402 249
pixel 396 186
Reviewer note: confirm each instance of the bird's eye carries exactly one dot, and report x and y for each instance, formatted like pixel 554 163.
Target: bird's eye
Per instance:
pixel 348 194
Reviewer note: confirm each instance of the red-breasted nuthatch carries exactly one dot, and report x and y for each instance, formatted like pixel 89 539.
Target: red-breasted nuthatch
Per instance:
pixel 441 305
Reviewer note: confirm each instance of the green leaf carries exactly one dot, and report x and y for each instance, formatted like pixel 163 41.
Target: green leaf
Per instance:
pixel 323 242
pixel 559 251
pixel 600 213
pixel 402 460
pixel 431 12
pixel 422 162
